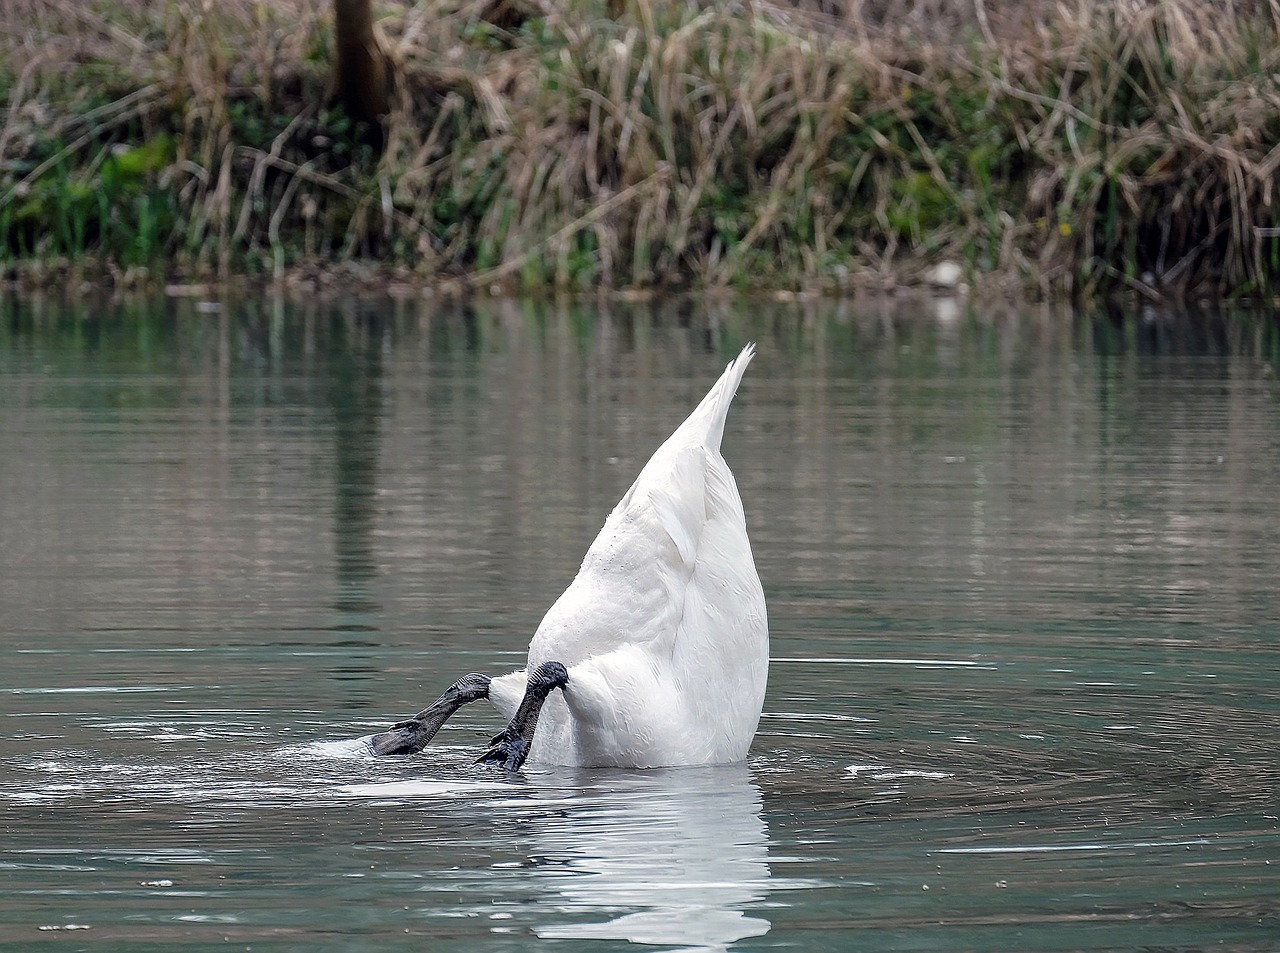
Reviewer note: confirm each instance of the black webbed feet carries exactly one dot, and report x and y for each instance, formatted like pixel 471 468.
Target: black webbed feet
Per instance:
pixel 405 737
pixel 507 747
pixel 411 736
pixel 511 746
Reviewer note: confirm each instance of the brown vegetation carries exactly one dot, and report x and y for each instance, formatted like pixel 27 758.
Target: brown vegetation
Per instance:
pixel 1069 147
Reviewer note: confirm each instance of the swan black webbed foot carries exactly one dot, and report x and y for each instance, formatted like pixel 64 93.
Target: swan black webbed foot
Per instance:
pixel 511 745
pixel 410 737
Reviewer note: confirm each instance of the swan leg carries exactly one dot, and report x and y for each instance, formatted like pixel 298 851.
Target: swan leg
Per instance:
pixel 410 737
pixel 511 745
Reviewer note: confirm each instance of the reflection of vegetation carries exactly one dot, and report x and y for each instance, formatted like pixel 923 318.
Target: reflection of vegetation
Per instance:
pixel 676 144
pixel 126 339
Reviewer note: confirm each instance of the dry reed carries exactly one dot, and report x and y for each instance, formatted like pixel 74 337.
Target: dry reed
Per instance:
pixel 1081 146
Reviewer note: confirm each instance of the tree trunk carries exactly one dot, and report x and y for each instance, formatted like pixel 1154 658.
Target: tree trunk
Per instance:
pixel 364 74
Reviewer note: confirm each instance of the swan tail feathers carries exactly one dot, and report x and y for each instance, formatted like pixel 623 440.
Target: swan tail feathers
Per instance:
pixel 707 421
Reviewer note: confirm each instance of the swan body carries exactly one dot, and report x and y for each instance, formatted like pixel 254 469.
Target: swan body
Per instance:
pixel 663 632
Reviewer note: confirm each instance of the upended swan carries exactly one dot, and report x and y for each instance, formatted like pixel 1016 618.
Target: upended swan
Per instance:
pixel 660 646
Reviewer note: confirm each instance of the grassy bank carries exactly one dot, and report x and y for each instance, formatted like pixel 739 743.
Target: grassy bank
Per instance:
pixel 1073 148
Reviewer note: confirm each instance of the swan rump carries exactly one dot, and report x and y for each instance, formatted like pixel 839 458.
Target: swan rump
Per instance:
pixel 662 638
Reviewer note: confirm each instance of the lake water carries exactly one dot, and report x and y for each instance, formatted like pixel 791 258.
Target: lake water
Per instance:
pixel 1021 569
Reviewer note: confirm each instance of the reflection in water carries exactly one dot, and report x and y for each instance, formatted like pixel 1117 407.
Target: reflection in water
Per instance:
pixel 355 395
pixel 683 848
pixel 356 399
pixel 673 857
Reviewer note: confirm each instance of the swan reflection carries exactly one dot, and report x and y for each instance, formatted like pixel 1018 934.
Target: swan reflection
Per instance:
pixel 676 857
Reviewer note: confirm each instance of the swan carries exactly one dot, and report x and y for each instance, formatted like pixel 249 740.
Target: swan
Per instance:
pixel 660 645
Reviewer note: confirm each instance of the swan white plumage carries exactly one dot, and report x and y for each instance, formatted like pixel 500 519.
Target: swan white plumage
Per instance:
pixel 663 633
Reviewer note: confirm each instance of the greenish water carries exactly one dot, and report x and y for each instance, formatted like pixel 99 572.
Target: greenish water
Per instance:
pixel 1021 573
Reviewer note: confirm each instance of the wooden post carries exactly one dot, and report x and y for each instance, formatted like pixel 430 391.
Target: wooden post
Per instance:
pixel 364 74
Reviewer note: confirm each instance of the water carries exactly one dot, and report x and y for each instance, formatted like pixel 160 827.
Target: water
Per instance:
pixel 1025 689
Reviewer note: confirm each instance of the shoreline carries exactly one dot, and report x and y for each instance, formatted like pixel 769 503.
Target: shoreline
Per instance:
pixel 330 279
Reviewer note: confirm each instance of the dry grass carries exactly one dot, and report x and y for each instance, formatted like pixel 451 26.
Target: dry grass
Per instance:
pixel 1077 146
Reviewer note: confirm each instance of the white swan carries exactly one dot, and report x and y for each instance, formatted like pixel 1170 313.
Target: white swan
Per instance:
pixel 660 646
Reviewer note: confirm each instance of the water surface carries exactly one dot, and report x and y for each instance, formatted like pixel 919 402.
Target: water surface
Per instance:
pixel 1025 686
